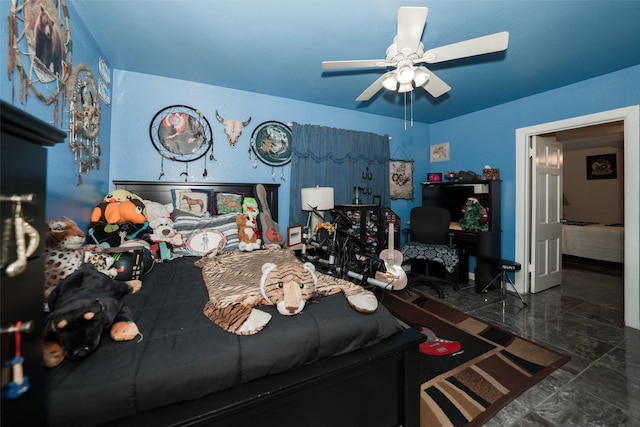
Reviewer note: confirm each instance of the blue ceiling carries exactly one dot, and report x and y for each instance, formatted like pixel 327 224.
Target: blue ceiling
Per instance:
pixel 276 47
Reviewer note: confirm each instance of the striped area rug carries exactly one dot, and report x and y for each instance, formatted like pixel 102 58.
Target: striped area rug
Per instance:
pixel 495 367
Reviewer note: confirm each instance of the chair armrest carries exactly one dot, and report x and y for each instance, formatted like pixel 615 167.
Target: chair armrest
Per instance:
pixel 405 233
pixel 451 245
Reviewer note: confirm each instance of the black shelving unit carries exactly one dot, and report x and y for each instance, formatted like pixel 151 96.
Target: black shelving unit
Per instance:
pixel 369 223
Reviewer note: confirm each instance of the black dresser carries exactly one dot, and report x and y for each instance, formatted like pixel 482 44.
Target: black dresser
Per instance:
pixel 23 169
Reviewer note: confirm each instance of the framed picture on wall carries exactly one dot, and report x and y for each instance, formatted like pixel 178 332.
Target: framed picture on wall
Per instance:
pixel 294 235
pixel 439 152
pixel 401 179
pixel 602 166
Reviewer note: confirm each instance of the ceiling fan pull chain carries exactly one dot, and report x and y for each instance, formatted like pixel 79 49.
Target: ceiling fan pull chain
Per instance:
pixel 405 111
pixel 411 101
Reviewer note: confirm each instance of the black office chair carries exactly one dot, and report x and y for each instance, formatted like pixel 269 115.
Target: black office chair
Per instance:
pixel 428 241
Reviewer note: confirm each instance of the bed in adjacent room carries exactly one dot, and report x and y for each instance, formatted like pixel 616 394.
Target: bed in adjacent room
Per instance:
pixel 603 242
pixel 329 365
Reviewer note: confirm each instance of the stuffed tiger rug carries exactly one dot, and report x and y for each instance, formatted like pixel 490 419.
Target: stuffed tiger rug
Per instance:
pixel 239 282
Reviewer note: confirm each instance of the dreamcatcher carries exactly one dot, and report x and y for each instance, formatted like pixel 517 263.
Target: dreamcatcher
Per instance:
pixel 84 116
pixel 39 25
pixel 271 144
pixel 181 134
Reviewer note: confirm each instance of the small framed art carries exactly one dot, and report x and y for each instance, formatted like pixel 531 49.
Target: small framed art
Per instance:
pixel 440 152
pixel 602 166
pixel 294 235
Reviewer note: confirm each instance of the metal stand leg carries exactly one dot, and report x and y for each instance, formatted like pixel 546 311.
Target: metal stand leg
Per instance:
pixel 499 276
pixel 504 285
pixel 504 277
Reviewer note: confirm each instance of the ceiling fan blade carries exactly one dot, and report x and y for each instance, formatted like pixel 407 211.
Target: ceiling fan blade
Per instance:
pixel 487 44
pixel 364 63
pixel 435 85
pixel 374 88
pixel 411 21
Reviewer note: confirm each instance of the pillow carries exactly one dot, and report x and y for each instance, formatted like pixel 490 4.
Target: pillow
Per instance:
pixel 227 202
pixel 204 234
pixel 193 201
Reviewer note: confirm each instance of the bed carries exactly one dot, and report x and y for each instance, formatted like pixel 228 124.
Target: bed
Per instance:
pixel 329 365
pixel 593 241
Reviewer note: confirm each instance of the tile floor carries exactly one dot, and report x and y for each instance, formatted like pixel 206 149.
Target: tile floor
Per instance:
pixel 583 317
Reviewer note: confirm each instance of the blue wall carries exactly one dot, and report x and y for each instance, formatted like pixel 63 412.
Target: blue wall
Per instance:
pixel 64 196
pixel 138 97
pixel 488 136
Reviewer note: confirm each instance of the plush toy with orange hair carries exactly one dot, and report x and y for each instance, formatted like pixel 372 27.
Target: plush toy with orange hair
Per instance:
pixel 120 206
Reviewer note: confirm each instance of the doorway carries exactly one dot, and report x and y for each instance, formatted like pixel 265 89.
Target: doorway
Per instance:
pixel 631 118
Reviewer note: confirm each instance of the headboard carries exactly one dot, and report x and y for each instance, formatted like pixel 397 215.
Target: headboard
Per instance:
pixel 160 192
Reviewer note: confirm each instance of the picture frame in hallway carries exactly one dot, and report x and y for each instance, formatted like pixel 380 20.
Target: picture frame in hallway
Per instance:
pixel 602 166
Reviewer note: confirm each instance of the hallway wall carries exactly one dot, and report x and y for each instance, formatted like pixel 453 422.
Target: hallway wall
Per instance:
pixel 600 200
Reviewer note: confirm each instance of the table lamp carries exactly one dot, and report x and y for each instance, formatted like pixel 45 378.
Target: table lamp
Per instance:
pixel 320 199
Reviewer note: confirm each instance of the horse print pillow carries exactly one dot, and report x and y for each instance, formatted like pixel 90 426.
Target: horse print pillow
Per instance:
pixel 227 202
pixel 194 202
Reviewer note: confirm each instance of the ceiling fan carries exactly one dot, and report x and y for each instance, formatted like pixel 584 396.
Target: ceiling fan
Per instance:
pixel 407 51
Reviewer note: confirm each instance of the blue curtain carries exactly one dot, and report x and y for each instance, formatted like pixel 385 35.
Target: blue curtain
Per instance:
pixel 338 158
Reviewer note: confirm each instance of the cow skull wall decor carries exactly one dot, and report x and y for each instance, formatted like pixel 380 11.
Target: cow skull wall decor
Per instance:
pixel 233 128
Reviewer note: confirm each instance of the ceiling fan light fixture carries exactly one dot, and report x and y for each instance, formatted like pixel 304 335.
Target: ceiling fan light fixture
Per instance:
pixel 405 87
pixel 405 74
pixel 390 83
pixel 421 77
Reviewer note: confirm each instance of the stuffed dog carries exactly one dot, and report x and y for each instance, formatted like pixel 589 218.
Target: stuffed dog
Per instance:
pixel 247 233
pixel 83 306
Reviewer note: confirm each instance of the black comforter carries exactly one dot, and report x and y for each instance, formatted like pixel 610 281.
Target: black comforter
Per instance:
pixel 184 356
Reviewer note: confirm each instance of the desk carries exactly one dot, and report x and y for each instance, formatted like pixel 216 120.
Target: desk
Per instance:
pixel 484 245
pixel 481 244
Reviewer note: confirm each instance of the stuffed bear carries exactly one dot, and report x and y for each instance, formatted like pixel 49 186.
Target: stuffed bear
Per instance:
pixel 64 251
pixel 83 306
pixel 164 236
pixel 247 233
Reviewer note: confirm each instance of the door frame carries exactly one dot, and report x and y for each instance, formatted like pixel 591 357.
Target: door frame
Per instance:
pixel 631 117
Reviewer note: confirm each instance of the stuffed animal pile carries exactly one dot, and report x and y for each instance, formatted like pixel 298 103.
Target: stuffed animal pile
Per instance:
pixel 83 306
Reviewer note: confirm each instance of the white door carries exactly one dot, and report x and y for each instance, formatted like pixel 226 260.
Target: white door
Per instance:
pixel 546 207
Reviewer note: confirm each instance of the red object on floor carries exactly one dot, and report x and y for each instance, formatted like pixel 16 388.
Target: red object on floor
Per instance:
pixel 440 348
pixel 435 346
